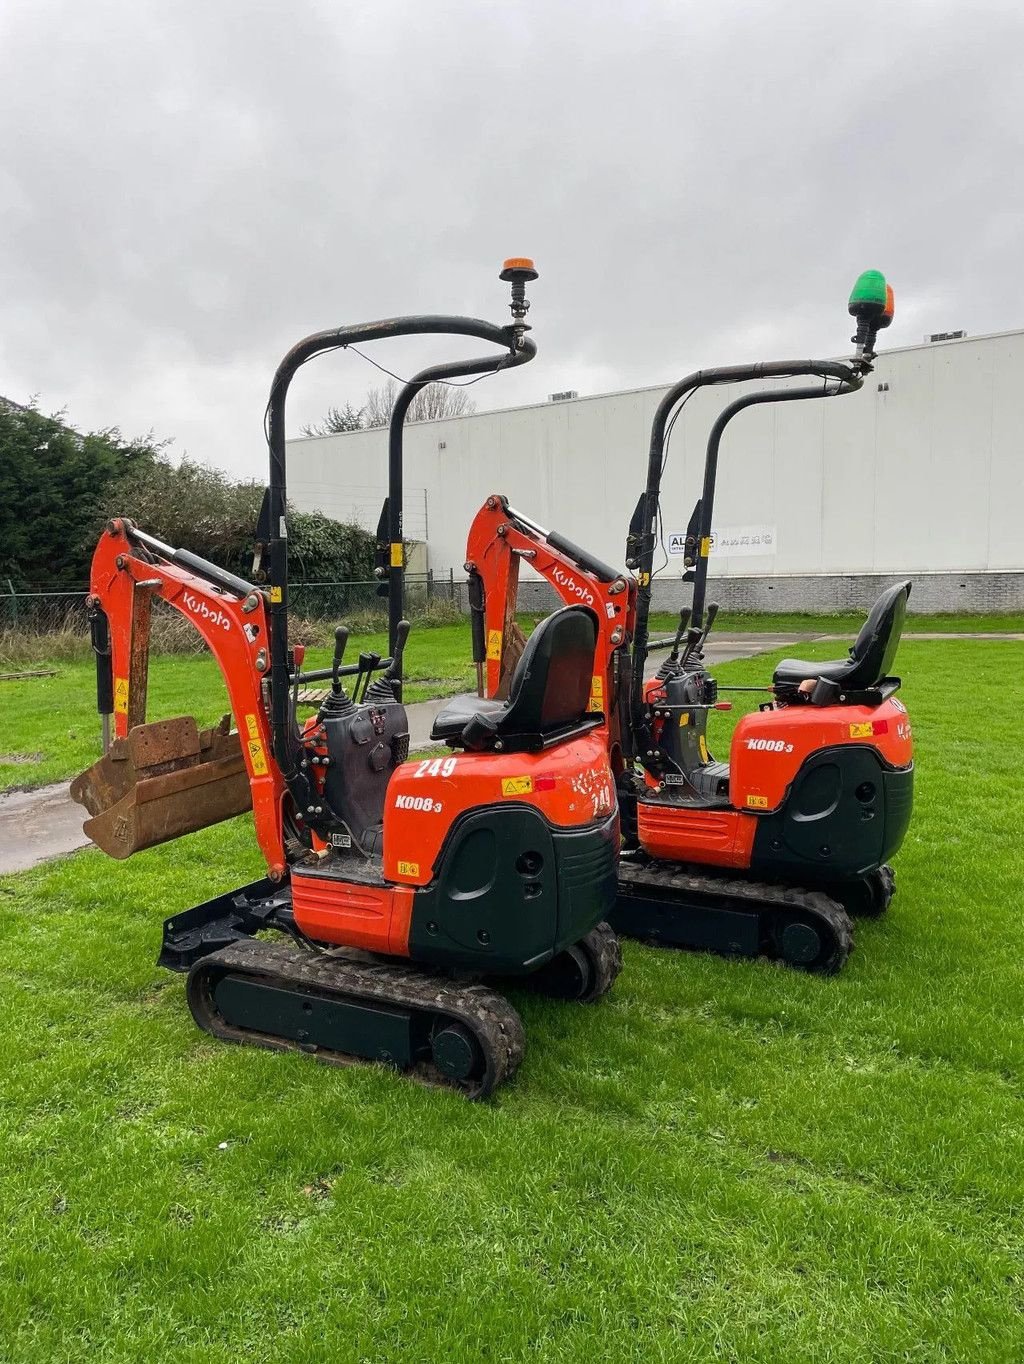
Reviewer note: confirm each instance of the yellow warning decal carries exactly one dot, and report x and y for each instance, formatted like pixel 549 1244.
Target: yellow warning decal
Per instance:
pixel 862 731
pixel 684 719
pixel 758 802
pixel 275 594
pixel 643 579
pixel 705 547
pixel 516 786
pixel 396 554
pixel 257 755
pixel 408 869
pixel 494 646
pixel 596 701
pixel 703 745
pixel 121 695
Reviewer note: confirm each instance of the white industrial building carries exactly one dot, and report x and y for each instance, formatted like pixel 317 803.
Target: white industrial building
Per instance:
pixel 921 473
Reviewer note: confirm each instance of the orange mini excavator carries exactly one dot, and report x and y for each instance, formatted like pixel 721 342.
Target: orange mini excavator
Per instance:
pixel 400 886
pixel 768 854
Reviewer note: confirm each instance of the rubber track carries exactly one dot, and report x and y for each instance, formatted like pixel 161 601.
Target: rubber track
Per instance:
pixel 603 949
pixel 488 1015
pixel 759 895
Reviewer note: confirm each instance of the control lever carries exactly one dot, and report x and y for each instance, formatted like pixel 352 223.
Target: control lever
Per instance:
pixel 394 673
pixel 367 663
pixel 670 664
pixel 340 640
pixel 383 688
pixel 684 620
pixel 695 636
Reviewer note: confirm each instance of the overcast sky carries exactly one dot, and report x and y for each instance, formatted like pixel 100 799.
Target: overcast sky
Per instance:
pixel 187 188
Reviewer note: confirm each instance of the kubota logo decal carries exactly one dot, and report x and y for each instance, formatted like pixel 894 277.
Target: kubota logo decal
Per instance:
pixel 571 586
pixel 200 608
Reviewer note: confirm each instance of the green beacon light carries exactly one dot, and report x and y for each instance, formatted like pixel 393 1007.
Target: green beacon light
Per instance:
pixel 872 304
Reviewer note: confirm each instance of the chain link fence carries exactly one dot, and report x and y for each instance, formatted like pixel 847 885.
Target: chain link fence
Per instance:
pixel 42 613
pixel 56 623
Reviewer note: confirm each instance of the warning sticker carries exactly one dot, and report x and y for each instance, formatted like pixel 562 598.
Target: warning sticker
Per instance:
pixel 121 695
pixel 596 701
pixel 862 731
pixel 396 554
pixel 408 869
pixel 703 746
pixel 257 756
pixel 516 786
pixel 494 646
pixel 275 594
pixel 758 802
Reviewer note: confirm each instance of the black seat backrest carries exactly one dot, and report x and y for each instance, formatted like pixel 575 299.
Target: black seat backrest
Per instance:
pixel 551 684
pixel 875 647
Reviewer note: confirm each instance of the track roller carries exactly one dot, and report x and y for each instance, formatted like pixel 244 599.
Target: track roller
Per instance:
pixel 672 905
pixel 583 972
pixel 345 1010
pixel 868 897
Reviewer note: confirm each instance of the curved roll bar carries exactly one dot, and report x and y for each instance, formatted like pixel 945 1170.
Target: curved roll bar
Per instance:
pixel 518 350
pixel 847 376
pixel 431 375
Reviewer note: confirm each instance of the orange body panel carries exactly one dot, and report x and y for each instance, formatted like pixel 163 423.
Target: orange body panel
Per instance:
pixel 768 747
pixel 235 637
pixel 570 785
pixel 677 833
pixel 374 918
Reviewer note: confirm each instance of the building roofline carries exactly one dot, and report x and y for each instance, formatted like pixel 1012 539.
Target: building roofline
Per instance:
pixel 649 388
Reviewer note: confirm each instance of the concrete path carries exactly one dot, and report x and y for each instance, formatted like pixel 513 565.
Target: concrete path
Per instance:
pixel 35 825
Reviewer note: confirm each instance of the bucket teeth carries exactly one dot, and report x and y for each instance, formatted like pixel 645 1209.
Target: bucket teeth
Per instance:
pixel 166 779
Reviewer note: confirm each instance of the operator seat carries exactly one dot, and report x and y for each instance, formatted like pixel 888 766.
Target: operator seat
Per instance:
pixel 869 659
pixel 548 694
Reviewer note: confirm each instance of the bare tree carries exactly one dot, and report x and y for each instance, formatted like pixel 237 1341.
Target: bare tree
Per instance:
pixel 430 404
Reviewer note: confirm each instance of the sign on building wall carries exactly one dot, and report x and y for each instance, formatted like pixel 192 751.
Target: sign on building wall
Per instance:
pixel 735 541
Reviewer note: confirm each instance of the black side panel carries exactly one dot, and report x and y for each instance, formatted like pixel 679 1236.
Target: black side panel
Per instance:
pixel 512 891
pixel 365 743
pixel 846 813
pixel 587 878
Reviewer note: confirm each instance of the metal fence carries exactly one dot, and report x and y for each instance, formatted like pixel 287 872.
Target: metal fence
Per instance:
pixel 50 613
pixel 42 613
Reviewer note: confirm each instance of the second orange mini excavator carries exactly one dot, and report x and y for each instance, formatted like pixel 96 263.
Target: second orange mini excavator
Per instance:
pixel 771 853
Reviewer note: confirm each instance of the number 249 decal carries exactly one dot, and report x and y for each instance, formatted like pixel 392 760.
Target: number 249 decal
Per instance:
pixel 436 767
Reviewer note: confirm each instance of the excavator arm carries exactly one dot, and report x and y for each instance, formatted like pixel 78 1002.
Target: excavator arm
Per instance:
pixel 500 539
pixel 161 780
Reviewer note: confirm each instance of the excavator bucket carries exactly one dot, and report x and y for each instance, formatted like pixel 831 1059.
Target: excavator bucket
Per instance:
pixel 166 779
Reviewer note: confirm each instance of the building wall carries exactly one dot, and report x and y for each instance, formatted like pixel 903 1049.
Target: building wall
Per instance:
pixel 920 473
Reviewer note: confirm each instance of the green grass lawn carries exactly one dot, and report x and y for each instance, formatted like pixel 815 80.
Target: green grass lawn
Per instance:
pixel 721 1161
pixel 849 622
pixel 51 730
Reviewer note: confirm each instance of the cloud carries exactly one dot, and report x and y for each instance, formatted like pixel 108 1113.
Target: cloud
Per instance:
pixel 186 190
